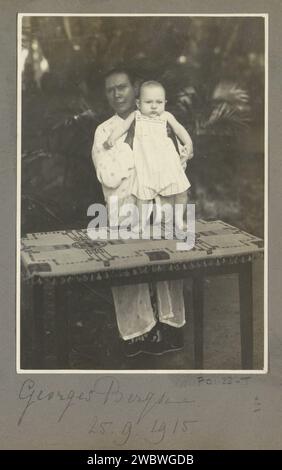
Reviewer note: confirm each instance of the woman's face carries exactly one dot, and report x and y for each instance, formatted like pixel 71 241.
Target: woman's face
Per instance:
pixel 152 101
pixel 120 94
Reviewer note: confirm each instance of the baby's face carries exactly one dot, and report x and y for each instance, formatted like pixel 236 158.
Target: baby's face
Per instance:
pixel 152 101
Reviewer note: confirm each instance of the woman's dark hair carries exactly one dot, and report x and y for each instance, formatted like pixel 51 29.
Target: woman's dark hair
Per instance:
pixel 121 69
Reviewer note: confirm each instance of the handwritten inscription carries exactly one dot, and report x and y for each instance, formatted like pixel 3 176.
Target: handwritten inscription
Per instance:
pixel 157 430
pixel 201 380
pixel 225 380
pixel 155 417
pixel 105 391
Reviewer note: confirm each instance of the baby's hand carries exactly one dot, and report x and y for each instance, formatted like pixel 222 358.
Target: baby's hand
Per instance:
pixel 190 156
pixel 188 150
pixel 108 144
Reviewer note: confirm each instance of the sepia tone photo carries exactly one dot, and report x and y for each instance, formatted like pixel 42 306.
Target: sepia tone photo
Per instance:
pixel 147 112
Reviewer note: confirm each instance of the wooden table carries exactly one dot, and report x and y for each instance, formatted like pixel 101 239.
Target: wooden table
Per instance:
pixel 65 258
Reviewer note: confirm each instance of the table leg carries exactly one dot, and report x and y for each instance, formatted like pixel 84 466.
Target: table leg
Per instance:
pixel 246 314
pixel 62 331
pixel 38 346
pixel 198 316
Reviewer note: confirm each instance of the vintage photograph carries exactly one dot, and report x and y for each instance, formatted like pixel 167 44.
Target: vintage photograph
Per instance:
pixel 142 193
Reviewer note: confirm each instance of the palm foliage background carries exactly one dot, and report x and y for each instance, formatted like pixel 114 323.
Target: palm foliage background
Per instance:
pixel 225 110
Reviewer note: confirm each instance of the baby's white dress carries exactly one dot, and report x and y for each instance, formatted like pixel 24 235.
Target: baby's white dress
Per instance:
pixel 157 162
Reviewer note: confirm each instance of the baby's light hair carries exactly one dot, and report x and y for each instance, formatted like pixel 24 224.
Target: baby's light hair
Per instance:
pixel 150 83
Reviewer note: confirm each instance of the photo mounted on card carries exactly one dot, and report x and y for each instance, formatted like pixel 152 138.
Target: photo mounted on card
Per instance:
pixel 142 193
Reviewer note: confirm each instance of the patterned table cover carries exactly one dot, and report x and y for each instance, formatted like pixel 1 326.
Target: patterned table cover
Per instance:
pixel 71 254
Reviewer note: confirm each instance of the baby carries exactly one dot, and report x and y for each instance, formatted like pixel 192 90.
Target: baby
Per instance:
pixel 155 134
